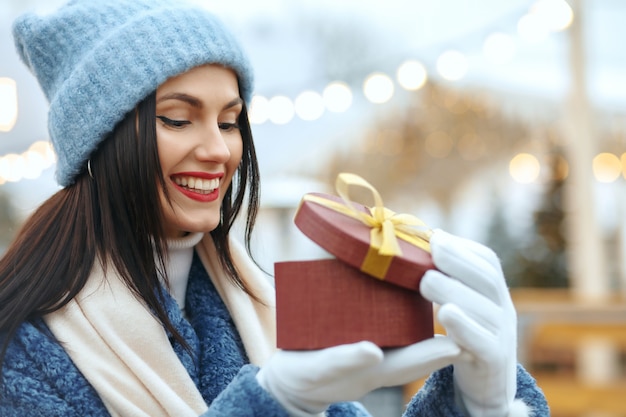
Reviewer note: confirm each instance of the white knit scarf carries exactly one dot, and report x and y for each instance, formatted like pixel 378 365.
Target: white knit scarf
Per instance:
pixel 124 352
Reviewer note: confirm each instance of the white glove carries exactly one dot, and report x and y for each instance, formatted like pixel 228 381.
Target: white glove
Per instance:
pixel 305 383
pixel 478 314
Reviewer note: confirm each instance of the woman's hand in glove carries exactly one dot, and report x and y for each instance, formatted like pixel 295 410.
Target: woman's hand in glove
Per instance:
pixel 305 383
pixel 478 314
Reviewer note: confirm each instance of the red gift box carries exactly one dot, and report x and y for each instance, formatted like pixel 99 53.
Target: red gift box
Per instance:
pixel 322 303
pixel 345 230
pixel 370 292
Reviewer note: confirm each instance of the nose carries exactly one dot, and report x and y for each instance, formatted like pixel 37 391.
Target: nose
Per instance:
pixel 213 146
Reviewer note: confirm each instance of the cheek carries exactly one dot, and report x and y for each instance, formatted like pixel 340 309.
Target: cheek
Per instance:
pixel 171 152
pixel 236 152
pixel 164 151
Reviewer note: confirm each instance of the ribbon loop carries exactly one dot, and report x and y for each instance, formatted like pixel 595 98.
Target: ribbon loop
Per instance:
pixel 386 226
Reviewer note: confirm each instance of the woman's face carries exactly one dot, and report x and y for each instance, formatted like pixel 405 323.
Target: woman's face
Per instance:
pixel 200 145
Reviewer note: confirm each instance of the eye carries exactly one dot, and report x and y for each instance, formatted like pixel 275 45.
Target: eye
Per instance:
pixel 228 127
pixel 178 124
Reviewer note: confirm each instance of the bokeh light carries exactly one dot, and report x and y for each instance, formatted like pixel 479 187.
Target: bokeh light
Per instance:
pixel 8 104
pixel 281 110
pixel 28 165
pixel 337 97
pixel 378 88
pixel 452 65
pixel 557 15
pixel 45 149
pixel 607 167
pixel 12 167
pixel 412 75
pixel 34 164
pixel 309 105
pixel 524 168
pixel 259 110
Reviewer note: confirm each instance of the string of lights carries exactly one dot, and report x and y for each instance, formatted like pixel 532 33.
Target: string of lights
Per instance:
pixel 541 19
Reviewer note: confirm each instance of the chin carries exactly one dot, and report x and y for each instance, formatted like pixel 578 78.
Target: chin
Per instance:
pixel 203 227
pixel 191 221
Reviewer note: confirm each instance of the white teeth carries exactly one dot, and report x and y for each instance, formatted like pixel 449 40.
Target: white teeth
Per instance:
pixel 198 183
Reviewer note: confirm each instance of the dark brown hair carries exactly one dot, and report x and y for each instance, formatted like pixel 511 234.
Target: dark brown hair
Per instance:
pixel 112 216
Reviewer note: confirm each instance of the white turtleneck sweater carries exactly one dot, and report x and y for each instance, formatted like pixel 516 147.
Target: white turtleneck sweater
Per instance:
pixel 178 264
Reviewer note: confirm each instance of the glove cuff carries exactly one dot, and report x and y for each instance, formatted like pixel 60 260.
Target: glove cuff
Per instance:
pixel 519 409
pixel 287 404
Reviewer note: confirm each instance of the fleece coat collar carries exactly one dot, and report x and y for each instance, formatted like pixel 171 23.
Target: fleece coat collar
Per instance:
pixel 124 351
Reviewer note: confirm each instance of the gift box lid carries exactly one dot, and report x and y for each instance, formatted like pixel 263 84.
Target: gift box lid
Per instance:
pixel 385 245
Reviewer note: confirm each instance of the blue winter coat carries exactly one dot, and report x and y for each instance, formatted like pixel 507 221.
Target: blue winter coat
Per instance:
pixel 40 380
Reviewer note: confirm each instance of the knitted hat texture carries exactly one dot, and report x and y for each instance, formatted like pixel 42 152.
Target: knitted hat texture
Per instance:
pixel 95 60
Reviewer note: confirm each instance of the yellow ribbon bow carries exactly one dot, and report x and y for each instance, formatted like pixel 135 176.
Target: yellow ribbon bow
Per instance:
pixel 385 225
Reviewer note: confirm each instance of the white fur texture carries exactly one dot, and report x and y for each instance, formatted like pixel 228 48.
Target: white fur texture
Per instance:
pixel 519 409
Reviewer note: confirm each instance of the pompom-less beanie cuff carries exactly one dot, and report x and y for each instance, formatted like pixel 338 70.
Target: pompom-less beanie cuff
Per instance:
pixel 120 69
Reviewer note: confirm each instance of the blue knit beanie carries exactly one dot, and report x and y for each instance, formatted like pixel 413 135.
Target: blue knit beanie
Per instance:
pixel 95 60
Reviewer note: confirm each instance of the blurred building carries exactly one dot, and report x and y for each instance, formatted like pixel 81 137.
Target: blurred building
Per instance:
pixel 501 121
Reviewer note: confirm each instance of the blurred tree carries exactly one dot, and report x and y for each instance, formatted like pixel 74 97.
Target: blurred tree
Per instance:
pixel 540 259
pixel 506 246
pixel 543 258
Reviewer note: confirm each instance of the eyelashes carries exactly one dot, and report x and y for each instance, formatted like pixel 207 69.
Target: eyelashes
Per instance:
pixel 228 126
pixel 178 124
pixel 173 123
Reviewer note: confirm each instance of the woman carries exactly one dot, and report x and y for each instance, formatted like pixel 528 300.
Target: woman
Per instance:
pixel 124 294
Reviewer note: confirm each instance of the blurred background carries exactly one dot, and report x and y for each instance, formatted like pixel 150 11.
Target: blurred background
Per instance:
pixel 501 121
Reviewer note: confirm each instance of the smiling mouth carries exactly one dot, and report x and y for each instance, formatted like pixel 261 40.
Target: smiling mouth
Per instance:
pixel 197 185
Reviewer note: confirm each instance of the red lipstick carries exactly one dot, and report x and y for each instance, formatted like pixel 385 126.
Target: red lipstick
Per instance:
pixel 196 195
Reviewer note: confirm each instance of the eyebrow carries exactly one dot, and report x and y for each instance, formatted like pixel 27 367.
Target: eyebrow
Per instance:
pixel 234 102
pixel 195 102
pixel 192 101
